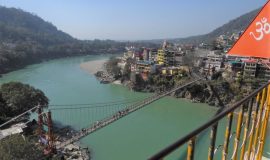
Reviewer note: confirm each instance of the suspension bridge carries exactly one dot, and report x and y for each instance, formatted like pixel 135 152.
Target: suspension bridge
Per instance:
pixel 112 111
pixel 120 114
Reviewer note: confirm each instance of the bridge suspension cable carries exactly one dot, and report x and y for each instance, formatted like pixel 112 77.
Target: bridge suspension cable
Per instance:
pixel 93 105
pixel 99 103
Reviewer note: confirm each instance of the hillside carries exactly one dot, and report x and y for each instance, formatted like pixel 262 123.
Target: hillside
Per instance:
pixel 26 39
pixel 17 25
pixel 235 25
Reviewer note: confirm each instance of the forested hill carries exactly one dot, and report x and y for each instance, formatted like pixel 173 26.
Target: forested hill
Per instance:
pixel 26 39
pixel 17 25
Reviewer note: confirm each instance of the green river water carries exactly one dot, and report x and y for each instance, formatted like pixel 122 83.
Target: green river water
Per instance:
pixel 135 137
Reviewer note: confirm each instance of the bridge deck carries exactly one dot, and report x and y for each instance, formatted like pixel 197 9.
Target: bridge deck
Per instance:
pixel 128 110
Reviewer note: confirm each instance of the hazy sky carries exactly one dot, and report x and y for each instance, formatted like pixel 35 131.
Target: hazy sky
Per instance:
pixel 136 19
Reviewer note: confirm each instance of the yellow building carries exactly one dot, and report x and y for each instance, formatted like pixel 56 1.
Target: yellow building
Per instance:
pixel 173 71
pixel 170 71
pixel 161 57
pixel 166 57
pixel 164 71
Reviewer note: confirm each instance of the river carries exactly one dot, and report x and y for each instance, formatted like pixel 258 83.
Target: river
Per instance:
pixel 134 137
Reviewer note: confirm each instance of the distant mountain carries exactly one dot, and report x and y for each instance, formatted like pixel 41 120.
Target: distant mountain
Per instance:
pixel 26 39
pixel 233 26
pixel 17 25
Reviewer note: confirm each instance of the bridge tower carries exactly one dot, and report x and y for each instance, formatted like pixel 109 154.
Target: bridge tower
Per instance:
pixel 40 121
pixel 51 144
pixel 46 119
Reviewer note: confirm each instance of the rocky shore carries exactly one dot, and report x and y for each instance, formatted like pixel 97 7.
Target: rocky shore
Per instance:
pixel 71 151
pixel 104 77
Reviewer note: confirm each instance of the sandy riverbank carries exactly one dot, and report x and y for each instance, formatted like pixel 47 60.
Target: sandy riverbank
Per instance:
pixel 93 66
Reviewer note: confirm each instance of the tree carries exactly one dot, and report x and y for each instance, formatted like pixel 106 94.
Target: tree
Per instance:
pixel 127 68
pixel 20 97
pixel 17 147
pixel 113 68
pixel 2 110
pixel 189 60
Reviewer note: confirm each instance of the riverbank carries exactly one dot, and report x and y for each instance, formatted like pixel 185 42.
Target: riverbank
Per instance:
pixel 94 66
pixel 97 68
pixel 197 93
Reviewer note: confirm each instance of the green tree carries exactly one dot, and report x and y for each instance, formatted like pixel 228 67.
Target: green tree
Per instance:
pixel 113 68
pixel 18 147
pixel 2 109
pixel 127 68
pixel 20 97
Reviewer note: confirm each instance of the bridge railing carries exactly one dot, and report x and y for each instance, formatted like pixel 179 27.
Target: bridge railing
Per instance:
pixel 252 113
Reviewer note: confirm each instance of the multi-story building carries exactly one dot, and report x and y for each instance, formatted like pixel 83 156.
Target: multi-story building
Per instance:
pixel 178 60
pixel 235 66
pixel 161 56
pixel 214 62
pixel 234 58
pixel 168 57
pixel 250 68
pixel 153 55
pixel 145 54
pixel 263 69
pixel 145 67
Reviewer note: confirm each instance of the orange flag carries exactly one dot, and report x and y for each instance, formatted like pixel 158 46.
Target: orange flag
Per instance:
pixel 255 41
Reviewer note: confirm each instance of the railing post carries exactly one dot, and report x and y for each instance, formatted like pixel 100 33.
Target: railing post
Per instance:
pixel 256 136
pixel 227 136
pixel 191 148
pixel 213 136
pixel 248 116
pixel 238 133
pixel 254 118
pixel 264 126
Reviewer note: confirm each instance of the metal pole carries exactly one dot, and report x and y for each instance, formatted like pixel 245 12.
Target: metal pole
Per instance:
pixel 254 118
pixel 248 116
pixel 227 136
pixel 256 136
pixel 238 133
pixel 191 147
pixel 264 127
pixel 213 136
